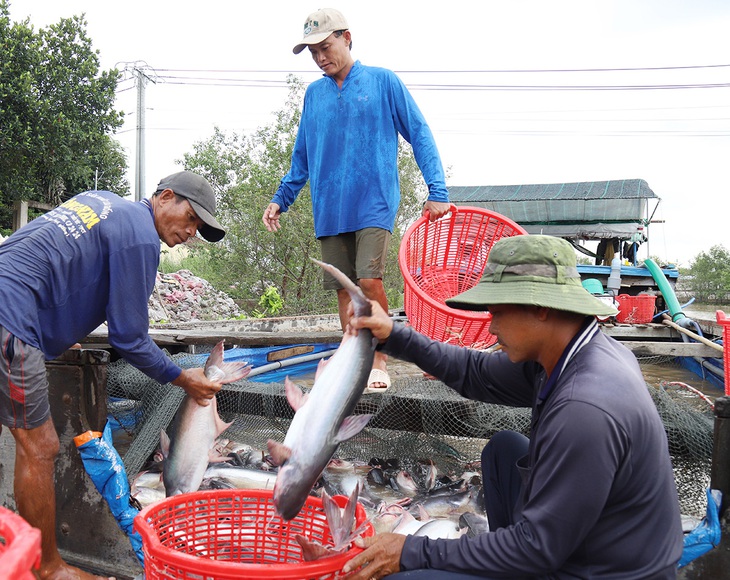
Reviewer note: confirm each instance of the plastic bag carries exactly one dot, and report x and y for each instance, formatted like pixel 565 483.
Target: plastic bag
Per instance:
pixel 106 469
pixel 707 533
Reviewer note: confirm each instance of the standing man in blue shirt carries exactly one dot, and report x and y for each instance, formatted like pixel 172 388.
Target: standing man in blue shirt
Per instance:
pixel 92 259
pixel 347 147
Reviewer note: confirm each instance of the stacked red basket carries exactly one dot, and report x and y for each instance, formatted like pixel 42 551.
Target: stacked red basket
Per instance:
pixel 20 547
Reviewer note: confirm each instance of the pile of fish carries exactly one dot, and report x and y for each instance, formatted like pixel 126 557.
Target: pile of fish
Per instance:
pixel 418 501
pixel 415 500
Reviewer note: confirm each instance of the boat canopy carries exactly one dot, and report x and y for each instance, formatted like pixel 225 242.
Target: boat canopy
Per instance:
pixel 588 210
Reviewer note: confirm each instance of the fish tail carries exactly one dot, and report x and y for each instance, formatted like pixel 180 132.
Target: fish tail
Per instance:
pixel 360 302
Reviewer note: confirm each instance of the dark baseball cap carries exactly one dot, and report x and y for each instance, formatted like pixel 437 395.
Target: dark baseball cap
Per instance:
pixel 196 189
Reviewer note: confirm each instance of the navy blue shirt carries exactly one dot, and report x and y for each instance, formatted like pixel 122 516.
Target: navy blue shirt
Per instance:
pixel 598 493
pixel 92 259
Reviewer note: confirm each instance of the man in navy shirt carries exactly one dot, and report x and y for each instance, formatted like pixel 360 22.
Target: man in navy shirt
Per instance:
pixel 92 259
pixel 591 493
pixel 347 148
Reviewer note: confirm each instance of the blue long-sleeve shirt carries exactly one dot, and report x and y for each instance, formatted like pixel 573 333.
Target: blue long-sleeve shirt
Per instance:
pixel 598 492
pixel 92 259
pixel 347 147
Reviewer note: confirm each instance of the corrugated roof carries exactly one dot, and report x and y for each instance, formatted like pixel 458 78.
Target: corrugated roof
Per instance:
pixel 585 210
pixel 585 190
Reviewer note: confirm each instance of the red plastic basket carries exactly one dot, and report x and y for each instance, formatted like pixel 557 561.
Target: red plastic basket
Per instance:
pixel 441 259
pixel 724 321
pixel 20 547
pixel 235 533
pixel 635 309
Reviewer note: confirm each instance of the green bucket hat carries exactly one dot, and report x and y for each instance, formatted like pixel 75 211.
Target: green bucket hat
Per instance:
pixel 535 271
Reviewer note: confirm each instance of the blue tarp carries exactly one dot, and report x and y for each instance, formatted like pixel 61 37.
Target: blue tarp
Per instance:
pixel 106 469
pixel 258 357
pixel 707 533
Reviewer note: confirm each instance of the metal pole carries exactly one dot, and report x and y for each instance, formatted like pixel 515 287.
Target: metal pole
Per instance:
pixel 139 166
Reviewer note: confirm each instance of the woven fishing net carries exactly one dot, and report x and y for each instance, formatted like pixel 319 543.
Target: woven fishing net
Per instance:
pixel 415 419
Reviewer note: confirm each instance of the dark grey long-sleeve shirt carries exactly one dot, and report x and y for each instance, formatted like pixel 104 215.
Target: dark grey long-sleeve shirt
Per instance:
pixel 598 494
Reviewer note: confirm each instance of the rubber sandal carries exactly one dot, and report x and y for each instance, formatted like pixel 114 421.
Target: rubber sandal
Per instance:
pixel 378 376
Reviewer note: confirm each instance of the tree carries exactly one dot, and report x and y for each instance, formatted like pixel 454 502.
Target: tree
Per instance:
pixel 710 275
pixel 56 114
pixel 245 172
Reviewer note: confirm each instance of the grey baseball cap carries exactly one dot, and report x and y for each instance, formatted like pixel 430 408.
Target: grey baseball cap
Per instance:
pixel 196 189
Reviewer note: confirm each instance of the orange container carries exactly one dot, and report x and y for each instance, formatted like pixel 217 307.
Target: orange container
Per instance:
pixel 228 534
pixel 441 259
pixel 20 547
pixel 635 309
pixel 724 321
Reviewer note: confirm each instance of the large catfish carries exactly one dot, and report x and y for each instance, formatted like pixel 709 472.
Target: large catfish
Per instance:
pixel 323 418
pixel 188 451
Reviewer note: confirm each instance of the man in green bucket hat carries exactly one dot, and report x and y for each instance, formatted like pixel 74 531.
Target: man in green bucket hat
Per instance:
pixel 591 492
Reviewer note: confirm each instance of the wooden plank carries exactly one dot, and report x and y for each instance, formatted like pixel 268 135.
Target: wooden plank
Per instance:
pixel 645 348
pixel 240 338
pixel 643 339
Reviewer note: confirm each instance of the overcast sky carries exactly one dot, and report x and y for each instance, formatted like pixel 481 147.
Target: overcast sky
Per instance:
pixel 510 88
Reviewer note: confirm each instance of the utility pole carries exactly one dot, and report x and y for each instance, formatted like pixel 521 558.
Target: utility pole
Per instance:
pixel 141 77
pixel 139 165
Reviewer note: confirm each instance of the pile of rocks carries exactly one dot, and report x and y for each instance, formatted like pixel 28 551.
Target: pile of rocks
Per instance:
pixel 183 297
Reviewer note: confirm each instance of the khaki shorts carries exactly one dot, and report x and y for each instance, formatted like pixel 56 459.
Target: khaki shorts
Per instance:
pixel 358 255
pixel 23 384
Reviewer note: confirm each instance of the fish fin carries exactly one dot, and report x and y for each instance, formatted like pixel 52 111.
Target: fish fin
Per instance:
pixel 320 367
pixel 423 515
pixel 224 372
pixel 164 443
pixel 278 451
pixel 349 514
pixel 220 424
pixel 234 371
pixel 342 521
pixel 312 550
pixel 215 457
pixel 351 426
pixel 360 303
pixel 294 395
pixel 215 358
pixel 334 518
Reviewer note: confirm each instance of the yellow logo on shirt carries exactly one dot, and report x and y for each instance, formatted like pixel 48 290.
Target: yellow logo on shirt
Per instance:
pixel 86 214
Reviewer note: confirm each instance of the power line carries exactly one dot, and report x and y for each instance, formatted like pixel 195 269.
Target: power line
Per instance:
pixel 227 78
pixel 453 71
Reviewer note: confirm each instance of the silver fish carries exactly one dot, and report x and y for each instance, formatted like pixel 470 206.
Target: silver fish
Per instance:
pixel 440 528
pixel 241 477
pixel 323 418
pixel 187 451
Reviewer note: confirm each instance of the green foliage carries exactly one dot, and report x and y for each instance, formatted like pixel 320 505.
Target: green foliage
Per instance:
pixel 245 171
pixel 271 303
pixel 709 275
pixel 56 113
